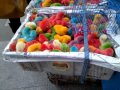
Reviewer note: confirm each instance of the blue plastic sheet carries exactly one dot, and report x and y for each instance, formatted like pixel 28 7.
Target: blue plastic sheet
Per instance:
pixel 115 4
pixel 114 82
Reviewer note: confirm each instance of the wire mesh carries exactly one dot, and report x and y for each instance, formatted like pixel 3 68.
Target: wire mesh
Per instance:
pixel 114 31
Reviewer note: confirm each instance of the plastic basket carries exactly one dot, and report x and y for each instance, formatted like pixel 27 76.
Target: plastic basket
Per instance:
pixel 101 66
pixel 36 4
pixel 95 72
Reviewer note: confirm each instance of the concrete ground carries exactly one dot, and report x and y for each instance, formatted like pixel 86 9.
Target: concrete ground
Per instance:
pixel 12 77
pixel 5 31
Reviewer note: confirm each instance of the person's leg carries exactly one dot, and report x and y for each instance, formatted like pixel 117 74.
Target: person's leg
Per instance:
pixel 14 24
pixel 28 1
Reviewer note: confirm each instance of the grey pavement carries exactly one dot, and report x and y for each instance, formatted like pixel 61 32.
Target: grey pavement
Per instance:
pixel 12 77
pixel 5 31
